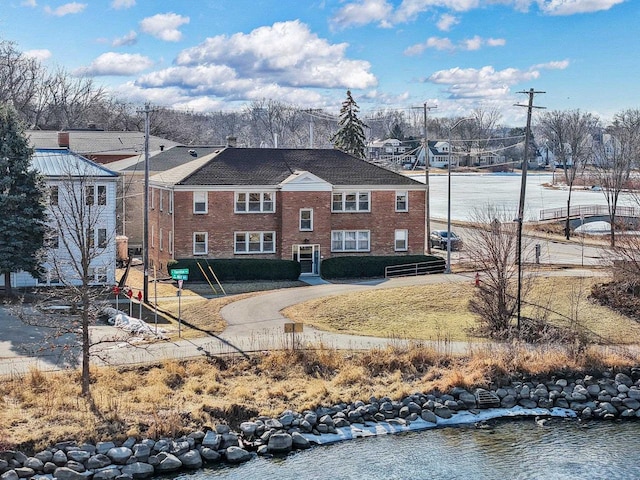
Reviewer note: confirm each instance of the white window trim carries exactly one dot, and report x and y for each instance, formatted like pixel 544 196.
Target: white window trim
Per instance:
pixel 161 200
pixel 246 243
pixel 170 201
pixel 171 242
pixel 160 240
pixel 357 232
pixel 406 200
pixel 262 194
pixel 343 203
pixel 152 198
pixel 206 243
pixel 153 236
pixel 206 203
pixel 310 229
pixel 404 237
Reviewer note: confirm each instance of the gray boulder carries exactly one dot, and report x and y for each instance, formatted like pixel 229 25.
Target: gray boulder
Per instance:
pixel 138 470
pixel 79 456
pixel 168 463
pixel 211 440
pixel 469 399
pixel 34 463
pixel 624 379
pixel 631 403
pixel 442 411
pixel 508 401
pixel 9 475
pixel 191 459
pixel 25 472
pixel 104 447
pixel 299 442
pixel 77 466
pixel 237 455
pixel 429 416
pixel 98 461
pixel 221 429
pixel 59 458
pixel 141 451
pixel 44 456
pixel 119 455
pixel 229 440
pixel 209 455
pixel 527 403
pixel 64 473
pixel 280 443
pixel 248 429
pixel 49 468
pixel 107 473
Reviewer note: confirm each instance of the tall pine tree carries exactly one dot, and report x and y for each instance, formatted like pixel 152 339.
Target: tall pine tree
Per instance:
pixel 22 207
pixel 350 137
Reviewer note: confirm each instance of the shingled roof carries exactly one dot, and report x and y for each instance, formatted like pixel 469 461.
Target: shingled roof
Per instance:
pixel 166 160
pixel 271 166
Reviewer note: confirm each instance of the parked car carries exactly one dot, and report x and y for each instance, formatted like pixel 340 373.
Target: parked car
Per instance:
pixel 438 238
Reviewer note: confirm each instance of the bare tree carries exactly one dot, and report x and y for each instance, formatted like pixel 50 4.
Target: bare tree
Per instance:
pixel 616 154
pixel 569 135
pixel 492 248
pixel 20 77
pixel 484 128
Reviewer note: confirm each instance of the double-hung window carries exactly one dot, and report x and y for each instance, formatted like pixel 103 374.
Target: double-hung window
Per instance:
pixel 161 193
pixel 254 202
pixel 200 202
pixel 402 202
pixel 93 191
pixel 401 241
pixel 53 195
pixel 350 241
pixel 255 242
pixel 200 243
pixel 351 202
pixel 306 219
pixel 102 238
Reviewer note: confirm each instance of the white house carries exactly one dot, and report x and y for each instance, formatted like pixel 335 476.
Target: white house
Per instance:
pixel 439 155
pixel 82 216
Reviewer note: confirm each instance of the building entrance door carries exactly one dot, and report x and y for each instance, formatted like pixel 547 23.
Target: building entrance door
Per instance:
pixel 309 258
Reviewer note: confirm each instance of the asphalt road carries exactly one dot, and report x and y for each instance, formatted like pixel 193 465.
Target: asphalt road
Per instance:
pixel 254 324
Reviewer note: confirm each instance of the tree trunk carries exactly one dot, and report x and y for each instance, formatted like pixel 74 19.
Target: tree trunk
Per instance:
pixel 567 226
pixel 8 292
pixel 612 218
pixel 86 380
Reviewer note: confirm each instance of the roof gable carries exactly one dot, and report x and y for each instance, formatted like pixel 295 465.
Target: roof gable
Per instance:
pixel 303 182
pixel 64 163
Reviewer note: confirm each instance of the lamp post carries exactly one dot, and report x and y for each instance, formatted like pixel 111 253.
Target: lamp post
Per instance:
pixel 448 269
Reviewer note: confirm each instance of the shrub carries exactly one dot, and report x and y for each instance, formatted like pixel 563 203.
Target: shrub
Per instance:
pixel 238 269
pixel 374 266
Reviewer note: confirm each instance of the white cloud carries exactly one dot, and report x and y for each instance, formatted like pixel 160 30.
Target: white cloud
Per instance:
pixel 440 43
pixel 557 65
pixel 483 82
pixel 121 4
pixel 111 63
pixel 362 13
pixel 29 3
pixel 40 55
pixel 164 26
pixel 572 7
pixel 130 38
pixel 66 9
pixel 447 21
pixel 287 53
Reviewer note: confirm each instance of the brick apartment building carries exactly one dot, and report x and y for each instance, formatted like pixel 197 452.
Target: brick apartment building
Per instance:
pixel 299 204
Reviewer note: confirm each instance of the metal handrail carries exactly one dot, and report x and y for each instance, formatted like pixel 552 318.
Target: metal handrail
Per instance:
pixel 413 269
pixel 587 211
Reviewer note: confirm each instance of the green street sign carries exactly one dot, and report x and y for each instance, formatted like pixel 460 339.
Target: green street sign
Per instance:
pixel 180 271
pixel 177 276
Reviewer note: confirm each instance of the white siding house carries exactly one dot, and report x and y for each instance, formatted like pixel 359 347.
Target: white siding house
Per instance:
pixel 82 199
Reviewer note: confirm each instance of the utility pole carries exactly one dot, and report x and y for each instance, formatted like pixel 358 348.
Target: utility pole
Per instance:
pixel 523 187
pixel 145 234
pixel 425 149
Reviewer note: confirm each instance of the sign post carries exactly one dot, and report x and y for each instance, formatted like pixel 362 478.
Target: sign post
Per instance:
pixel 293 328
pixel 130 294
pixel 116 292
pixel 140 304
pixel 180 274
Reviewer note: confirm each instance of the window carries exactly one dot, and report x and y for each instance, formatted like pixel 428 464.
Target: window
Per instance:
pixel 161 201
pixel 200 246
pixel 200 202
pixel 89 195
pixel 53 195
pixel 402 202
pixel 97 274
pixel 350 202
pixel 306 219
pixel 401 243
pixel 102 194
pixel 160 240
pixel 102 238
pixel 350 240
pixel 152 198
pixel 153 236
pixel 255 242
pixel 254 202
pixel 170 195
pixel 171 241
pixel 90 238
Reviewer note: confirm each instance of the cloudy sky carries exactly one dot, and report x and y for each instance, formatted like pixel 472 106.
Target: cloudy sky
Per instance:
pixel 209 55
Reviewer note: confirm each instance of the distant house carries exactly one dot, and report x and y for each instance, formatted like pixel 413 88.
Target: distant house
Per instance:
pixel 385 149
pixel 297 204
pixel 73 179
pixel 439 155
pixel 130 206
pixel 98 145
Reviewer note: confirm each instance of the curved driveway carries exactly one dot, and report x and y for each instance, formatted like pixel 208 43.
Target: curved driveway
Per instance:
pixel 254 324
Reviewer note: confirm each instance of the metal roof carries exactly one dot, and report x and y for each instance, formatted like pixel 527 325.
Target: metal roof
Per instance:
pixel 62 163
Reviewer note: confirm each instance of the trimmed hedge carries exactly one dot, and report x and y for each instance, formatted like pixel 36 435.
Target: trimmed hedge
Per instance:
pixel 373 266
pixel 238 269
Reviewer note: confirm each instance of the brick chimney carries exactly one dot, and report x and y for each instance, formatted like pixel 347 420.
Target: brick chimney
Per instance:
pixel 231 141
pixel 63 139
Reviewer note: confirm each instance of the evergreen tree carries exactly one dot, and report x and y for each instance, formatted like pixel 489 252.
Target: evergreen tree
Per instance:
pixel 22 218
pixel 350 137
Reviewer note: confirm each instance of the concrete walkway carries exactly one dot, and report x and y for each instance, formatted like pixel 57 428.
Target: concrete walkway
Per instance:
pixel 254 324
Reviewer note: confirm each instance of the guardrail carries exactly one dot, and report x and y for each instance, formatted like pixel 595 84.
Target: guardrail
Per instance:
pixel 414 269
pixel 587 211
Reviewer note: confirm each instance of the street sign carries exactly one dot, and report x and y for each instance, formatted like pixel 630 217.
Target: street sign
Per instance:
pixel 180 271
pixel 179 277
pixel 293 327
